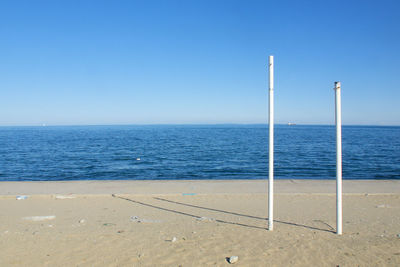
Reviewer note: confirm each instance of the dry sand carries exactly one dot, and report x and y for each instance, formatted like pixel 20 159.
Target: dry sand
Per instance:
pixel 210 220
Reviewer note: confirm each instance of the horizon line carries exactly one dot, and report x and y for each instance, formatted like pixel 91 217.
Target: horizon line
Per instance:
pixel 194 124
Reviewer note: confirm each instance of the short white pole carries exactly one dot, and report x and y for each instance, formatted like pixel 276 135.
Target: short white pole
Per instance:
pixel 271 146
pixel 338 120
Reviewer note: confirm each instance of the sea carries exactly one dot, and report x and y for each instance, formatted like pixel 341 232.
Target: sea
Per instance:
pixel 195 152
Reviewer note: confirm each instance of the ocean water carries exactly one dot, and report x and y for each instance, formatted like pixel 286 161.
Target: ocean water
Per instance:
pixel 195 152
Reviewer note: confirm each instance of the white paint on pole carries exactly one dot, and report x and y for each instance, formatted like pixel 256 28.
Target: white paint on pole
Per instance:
pixel 338 121
pixel 271 146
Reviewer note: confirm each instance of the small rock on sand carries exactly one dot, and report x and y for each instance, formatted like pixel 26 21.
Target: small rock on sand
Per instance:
pixel 233 259
pixel 82 221
pixel 173 239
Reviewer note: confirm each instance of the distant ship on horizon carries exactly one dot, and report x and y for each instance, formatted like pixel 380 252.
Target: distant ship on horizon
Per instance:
pixel 291 123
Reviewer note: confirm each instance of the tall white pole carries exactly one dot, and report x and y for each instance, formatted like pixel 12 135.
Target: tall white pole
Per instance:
pixel 271 146
pixel 338 120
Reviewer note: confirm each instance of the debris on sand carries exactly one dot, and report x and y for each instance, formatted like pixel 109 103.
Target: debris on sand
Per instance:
pixel 141 220
pixel 64 197
pixel 206 219
pixel 39 218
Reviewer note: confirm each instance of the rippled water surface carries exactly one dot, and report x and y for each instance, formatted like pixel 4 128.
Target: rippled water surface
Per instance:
pixel 195 152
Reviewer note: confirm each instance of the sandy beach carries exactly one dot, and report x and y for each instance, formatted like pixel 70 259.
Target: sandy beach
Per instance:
pixel 197 223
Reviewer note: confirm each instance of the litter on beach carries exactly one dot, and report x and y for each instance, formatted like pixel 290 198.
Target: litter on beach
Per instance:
pixel 64 197
pixel 189 194
pixel 39 218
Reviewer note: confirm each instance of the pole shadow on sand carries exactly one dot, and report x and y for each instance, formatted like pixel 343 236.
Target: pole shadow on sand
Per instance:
pixel 331 230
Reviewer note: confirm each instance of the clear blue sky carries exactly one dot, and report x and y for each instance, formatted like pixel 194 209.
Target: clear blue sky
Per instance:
pixel 123 62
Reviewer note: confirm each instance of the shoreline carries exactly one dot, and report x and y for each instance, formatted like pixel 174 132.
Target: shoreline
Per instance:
pixel 179 187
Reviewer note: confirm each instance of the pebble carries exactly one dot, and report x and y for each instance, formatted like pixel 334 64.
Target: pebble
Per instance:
pixel 82 221
pixel 173 239
pixel 233 259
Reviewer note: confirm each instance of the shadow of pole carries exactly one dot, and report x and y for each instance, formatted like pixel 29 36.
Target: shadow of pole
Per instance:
pixel 250 216
pixel 211 209
pixel 186 214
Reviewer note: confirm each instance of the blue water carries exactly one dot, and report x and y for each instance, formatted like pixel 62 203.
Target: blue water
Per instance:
pixel 195 152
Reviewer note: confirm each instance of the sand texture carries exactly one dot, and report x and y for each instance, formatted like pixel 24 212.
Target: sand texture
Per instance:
pixel 198 224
